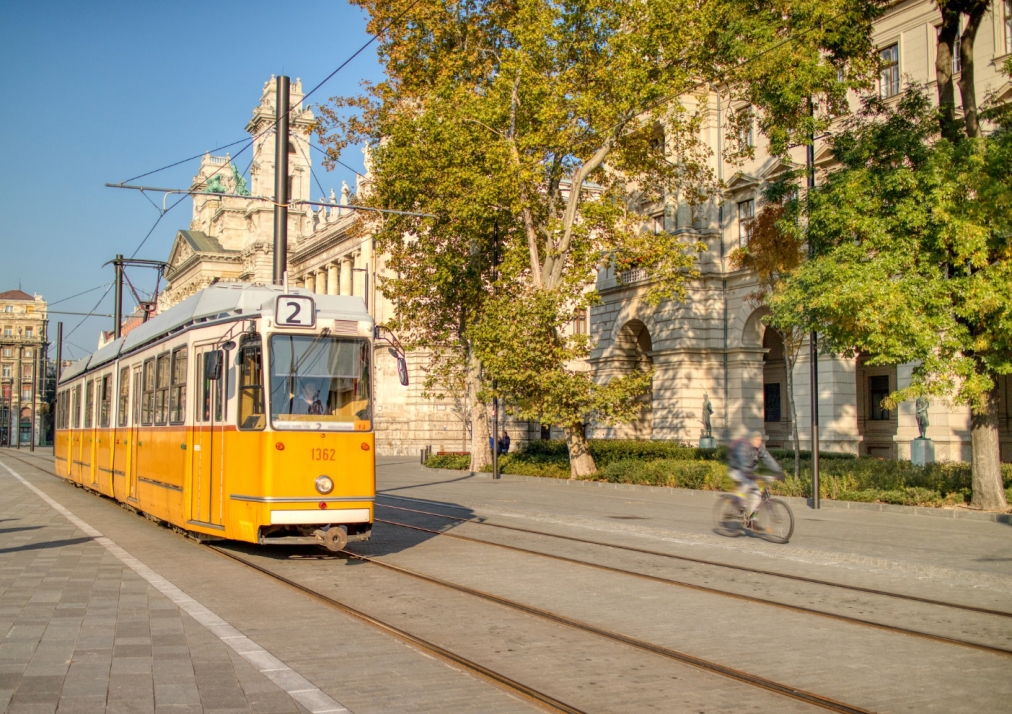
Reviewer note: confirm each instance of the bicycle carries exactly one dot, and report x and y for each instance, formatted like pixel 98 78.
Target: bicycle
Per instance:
pixel 773 519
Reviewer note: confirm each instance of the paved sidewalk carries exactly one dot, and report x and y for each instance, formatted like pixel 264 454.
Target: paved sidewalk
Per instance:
pixel 82 631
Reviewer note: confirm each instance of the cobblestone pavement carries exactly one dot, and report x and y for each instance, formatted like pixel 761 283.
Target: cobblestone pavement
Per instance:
pixel 103 611
pixel 80 631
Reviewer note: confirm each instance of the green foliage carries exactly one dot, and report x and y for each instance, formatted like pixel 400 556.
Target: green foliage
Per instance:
pixel 448 461
pixel 913 237
pixel 705 475
pixel 843 477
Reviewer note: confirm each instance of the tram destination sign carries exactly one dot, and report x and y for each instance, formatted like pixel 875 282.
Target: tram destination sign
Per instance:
pixel 295 311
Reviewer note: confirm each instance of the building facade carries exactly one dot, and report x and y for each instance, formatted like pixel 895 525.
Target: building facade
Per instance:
pixel 23 342
pixel 714 345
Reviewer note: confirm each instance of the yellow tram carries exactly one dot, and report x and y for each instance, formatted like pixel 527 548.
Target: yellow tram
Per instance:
pixel 244 412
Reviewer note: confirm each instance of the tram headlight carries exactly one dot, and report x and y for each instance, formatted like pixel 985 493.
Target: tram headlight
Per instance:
pixel 324 484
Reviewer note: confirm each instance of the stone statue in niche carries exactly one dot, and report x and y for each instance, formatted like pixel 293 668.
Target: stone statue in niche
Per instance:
pixel 707 411
pixel 922 416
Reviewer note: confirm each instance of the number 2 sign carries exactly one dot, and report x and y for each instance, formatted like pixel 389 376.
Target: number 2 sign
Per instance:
pixel 295 311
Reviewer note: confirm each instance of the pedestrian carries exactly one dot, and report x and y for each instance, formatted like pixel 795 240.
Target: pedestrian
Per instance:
pixel 504 442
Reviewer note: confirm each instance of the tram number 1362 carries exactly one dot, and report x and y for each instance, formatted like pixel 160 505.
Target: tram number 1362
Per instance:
pixel 322 454
pixel 295 311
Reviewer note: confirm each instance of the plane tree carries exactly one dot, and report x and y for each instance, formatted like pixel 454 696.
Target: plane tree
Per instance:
pixel 535 132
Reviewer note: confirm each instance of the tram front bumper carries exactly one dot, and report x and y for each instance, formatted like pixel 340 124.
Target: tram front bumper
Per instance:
pixel 321 517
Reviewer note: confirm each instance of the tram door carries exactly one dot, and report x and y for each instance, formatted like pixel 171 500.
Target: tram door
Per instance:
pixel 208 437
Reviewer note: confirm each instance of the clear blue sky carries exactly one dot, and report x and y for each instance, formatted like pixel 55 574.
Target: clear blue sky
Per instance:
pixel 99 92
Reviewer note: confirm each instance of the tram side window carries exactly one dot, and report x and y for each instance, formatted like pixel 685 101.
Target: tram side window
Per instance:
pixel 162 389
pixel 89 404
pixel 202 407
pixel 75 405
pixel 124 396
pixel 210 390
pixel 105 400
pixel 138 390
pixel 220 410
pixel 177 390
pixel 148 399
pixel 251 386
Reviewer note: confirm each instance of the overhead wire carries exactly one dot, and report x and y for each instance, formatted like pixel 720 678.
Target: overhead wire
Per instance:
pixel 336 161
pixel 183 161
pixel 90 290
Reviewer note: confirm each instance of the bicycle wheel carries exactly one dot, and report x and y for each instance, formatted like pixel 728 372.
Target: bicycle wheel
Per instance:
pixel 774 521
pixel 727 516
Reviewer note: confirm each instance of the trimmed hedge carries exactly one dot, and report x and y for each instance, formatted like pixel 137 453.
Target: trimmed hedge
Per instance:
pixel 842 476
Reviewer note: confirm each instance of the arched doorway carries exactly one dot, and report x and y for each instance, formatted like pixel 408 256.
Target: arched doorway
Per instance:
pixel 633 348
pixel 776 409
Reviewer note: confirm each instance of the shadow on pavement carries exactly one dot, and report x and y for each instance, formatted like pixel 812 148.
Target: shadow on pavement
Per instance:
pixel 48 544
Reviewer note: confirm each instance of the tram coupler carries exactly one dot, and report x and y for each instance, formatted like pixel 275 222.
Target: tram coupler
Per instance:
pixel 333 538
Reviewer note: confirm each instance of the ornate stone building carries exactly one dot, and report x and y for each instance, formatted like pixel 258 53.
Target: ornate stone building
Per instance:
pixel 23 325
pixel 716 344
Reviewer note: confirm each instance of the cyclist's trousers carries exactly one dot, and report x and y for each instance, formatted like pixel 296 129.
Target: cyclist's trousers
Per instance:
pixel 747 491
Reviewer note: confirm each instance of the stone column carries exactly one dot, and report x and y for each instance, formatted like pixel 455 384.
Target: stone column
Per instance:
pixel 346 288
pixel 321 282
pixel 332 279
pixel 310 282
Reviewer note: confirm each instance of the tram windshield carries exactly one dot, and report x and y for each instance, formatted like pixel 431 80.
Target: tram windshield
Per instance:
pixel 320 383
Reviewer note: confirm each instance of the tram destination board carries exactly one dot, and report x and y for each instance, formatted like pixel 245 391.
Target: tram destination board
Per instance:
pixel 295 311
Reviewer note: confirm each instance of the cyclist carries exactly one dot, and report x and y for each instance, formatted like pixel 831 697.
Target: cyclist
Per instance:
pixel 743 460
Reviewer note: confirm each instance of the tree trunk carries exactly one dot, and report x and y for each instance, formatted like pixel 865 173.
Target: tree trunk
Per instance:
pixel 481 454
pixel 791 408
pixel 581 463
pixel 967 90
pixel 943 73
pixel 988 491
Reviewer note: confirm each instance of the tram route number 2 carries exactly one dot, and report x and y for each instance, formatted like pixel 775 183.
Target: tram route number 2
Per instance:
pixel 323 454
pixel 295 311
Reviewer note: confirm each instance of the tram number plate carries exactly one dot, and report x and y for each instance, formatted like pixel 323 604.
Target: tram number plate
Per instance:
pixel 295 311
pixel 323 454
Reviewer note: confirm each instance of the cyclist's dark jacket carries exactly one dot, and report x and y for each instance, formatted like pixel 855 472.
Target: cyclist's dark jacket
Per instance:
pixel 745 458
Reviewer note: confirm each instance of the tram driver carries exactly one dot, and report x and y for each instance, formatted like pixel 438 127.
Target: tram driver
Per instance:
pixel 308 401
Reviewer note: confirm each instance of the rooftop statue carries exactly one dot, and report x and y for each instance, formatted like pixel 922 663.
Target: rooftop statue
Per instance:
pixel 215 185
pixel 240 183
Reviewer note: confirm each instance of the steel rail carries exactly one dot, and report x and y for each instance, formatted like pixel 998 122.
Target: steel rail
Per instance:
pixel 716 591
pixel 701 561
pixel 666 652
pixel 503 680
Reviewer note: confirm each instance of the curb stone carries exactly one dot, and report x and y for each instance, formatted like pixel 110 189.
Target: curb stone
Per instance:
pixel 953 513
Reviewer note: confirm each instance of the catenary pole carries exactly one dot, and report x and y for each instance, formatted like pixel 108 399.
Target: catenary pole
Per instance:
pixel 35 396
pixel 495 398
pixel 19 382
pixel 118 310
pixel 813 338
pixel 281 179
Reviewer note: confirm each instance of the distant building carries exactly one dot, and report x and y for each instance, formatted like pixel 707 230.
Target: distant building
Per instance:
pixel 23 325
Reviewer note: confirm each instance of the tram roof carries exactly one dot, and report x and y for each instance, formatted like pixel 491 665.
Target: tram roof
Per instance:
pixel 219 301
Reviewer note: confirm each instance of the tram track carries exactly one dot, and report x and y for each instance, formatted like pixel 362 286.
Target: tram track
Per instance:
pixel 699 561
pixel 715 591
pixel 512 685
pixel 700 663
